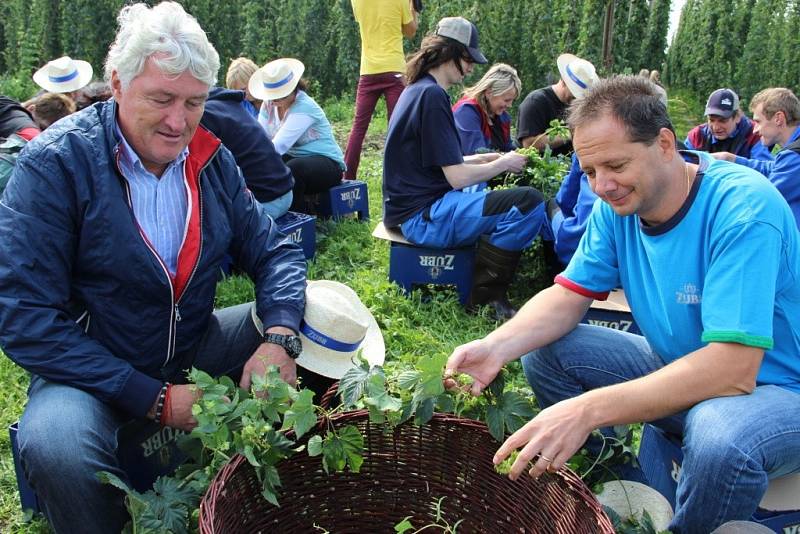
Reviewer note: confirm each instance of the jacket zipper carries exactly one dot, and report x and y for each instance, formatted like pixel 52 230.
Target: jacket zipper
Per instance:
pixel 174 306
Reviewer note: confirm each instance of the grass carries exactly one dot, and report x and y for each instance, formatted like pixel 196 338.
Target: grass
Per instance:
pixel 425 323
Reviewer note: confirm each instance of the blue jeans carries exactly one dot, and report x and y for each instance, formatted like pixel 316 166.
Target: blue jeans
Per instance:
pixel 732 446
pixel 67 435
pixel 511 217
pixel 278 206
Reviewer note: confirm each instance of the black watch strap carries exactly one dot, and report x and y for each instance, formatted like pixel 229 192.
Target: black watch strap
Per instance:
pixel 291 344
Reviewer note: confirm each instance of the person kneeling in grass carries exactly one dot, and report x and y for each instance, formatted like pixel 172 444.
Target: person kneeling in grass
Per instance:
pixel 708 255
pixel 425 173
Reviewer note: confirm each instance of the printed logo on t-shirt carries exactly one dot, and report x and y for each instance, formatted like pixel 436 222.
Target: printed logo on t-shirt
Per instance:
pixel 688 294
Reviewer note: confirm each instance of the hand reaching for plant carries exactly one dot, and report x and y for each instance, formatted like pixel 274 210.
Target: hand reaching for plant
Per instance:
pixel 265 355
pixel 475 360
pixel 547 441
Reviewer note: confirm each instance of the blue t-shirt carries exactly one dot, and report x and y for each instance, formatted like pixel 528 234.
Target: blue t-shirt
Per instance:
pixel 422 138
pixel 723 269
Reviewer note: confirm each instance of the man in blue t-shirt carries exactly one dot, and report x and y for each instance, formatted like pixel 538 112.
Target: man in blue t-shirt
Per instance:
pixel 708 254
pixel 424 172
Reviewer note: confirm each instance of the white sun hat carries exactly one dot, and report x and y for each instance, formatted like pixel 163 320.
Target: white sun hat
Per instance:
pixel 335 327
pixel 577 73
pixel 276 79
pixel 63 75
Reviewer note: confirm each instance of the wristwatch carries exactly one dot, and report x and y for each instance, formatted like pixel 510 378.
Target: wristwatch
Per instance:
pixel 291 344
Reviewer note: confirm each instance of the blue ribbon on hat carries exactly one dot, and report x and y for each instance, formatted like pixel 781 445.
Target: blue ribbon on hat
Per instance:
pixel 284 81
pixel 326 341
pixel 575 78
pixel 65 78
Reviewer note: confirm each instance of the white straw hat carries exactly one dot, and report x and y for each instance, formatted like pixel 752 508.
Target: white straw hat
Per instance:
pixel 276 79
pixel 63 75
pixel 577 73
pixel 335 327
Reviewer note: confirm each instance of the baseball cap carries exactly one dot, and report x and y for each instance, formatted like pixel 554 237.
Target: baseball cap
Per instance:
pixel 722 102
pixel 464 32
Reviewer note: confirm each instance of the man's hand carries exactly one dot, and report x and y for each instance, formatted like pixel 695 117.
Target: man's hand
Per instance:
pixel 474 359
pixel 178 409
pixel 725 156
pixel 514 161
pixel 550 438
pixel 270 354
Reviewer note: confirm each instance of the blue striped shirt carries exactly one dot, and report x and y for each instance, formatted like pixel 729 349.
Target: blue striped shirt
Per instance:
pixel 160 205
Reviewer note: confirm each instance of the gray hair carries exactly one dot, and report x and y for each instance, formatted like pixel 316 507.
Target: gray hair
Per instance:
pixel 167 30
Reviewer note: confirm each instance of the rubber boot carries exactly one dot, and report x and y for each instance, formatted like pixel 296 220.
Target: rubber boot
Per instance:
pixel 492 275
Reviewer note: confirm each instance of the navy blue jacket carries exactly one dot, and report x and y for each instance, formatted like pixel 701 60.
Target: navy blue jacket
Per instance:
pixel 264 171
pixel 85 302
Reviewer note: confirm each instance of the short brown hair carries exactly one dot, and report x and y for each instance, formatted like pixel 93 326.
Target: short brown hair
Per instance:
pixel 632 100
pixel 51 107
pixel 435 50
pixel 239 72
pixel 777 99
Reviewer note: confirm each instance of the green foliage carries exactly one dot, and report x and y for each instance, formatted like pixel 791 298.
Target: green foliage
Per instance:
pixel 323 34
pixel 633 524
pixel 746 45
pixel 439 524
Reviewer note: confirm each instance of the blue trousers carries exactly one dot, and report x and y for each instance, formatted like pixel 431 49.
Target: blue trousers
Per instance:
pixel 67 435
pixel 732 446
pixel 511 217
pixel 278 206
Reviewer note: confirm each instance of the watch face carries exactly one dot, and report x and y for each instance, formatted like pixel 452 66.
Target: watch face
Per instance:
pixel 293 346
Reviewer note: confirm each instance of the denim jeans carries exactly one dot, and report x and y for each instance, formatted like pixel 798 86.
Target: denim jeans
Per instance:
pixel 278 206
pixel 67 435
pixel 732 446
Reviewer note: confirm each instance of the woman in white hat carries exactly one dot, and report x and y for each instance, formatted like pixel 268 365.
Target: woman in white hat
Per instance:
pixel 298 128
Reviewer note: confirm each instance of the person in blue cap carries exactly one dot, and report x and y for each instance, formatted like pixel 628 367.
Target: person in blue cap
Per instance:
pixel 425 172
pixel 727 129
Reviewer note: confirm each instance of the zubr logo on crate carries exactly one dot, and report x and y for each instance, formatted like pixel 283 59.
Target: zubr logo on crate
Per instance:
pixel 159 443
pixel 622 324
pixel 295 236
pixel 350 197
pixel 437 264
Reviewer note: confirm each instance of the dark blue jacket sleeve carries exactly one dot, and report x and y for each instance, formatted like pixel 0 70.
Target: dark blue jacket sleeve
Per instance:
pixel 569 234
pixel 37 253
pixel 276 265
pixel 468 123
pixel 567 194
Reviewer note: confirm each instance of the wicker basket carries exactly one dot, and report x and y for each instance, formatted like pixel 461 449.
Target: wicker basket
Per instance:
pixel 404 472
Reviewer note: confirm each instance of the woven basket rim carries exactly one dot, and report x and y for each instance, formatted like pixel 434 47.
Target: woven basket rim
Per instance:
pixel 217 485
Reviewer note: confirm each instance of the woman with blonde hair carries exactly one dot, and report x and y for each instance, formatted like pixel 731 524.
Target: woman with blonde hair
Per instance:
pixel 481 114
pixel 239 72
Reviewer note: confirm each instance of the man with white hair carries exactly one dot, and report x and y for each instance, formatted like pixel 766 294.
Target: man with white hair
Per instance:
pixel 123 213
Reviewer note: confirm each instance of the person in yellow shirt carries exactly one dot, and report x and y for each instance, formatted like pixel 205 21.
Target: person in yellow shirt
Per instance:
pixel 382 24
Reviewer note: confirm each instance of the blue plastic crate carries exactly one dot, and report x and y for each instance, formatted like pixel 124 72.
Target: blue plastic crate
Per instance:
pixel 612 313
pixel 660 457
pixel 301 230
pixel 350 197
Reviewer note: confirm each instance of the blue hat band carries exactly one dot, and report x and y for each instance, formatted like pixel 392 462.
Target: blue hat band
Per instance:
pixel 279 83
pixel 326 341
pixel 65 78
pixel 575 78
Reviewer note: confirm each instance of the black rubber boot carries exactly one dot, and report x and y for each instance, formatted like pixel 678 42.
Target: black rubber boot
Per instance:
pixel 494 270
